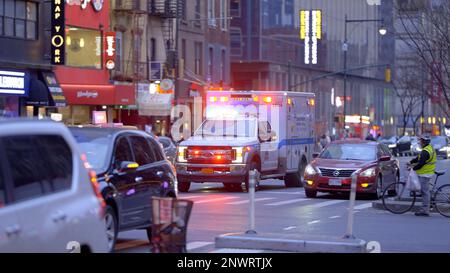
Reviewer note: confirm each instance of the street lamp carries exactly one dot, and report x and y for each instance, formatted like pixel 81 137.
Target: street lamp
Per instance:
pixel 382 31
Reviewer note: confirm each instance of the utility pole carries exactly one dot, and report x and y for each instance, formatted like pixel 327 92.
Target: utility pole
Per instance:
pixel 345 48
pixel 289 75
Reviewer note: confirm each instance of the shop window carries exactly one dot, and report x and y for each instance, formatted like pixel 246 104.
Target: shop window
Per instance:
pixel 83 48
pixel 18 19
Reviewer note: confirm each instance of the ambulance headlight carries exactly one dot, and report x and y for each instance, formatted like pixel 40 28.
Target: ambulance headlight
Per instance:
pixel 309 170
pixel 392 145
pixel 238 154
pixel 182 154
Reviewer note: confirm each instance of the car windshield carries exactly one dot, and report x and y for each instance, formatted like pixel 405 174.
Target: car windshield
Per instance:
pixel 388 139
pixel 95 146
pixel 404 139
pixel 164 141
pixel 227 128
pixel 349 152
pixel 438 141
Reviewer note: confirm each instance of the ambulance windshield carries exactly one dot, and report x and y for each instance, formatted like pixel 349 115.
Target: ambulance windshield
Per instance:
pixel 227 128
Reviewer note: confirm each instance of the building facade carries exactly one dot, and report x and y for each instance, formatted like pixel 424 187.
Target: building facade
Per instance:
pixel 268 54
pixel 27 84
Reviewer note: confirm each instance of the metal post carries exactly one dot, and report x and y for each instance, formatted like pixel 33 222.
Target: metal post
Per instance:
pixel 349 233
pixel 345 48
pixel 251 210
pixel 289 75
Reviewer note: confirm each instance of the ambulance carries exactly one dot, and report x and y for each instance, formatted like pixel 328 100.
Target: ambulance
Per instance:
pixel 269 132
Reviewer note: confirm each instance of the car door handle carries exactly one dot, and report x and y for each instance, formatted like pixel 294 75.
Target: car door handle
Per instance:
pixel 13 230
pixel 59 216
pixel 160 173
pixel 138 179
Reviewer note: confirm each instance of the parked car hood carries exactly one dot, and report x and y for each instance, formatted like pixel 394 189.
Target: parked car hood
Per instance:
pixel 333 163
pixel 218 141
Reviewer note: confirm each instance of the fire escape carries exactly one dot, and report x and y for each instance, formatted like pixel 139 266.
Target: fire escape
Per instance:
pixel 168 11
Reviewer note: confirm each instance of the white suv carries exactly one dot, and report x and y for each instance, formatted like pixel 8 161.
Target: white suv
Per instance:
pixel 49 201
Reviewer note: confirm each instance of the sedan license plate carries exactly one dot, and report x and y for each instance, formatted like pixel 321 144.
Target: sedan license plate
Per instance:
pixel 335 182
pixel 207 171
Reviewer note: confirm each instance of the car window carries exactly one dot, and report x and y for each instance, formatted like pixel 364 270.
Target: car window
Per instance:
pixel 144 155
pixel 122 152
pixel 386 150
pixel 165 142
pixel 39 165
pixel 159 154
pixel 2 187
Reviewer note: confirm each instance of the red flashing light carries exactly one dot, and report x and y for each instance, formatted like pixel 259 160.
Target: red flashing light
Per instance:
pixel 196 152
pixel 218 157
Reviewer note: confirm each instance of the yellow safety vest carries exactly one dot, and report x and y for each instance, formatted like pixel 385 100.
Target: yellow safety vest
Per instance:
pixel 430 164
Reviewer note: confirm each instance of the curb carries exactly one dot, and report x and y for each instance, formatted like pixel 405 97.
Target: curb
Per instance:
pixel 290 243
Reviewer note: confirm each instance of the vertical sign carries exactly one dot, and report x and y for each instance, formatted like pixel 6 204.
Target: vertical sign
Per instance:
pixel 311 32
pixel 58 32
pixel 110 50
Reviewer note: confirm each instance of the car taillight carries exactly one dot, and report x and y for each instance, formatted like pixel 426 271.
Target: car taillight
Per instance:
pixel 98 194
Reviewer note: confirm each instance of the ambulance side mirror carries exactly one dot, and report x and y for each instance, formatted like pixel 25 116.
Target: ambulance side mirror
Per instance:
pixel 273 136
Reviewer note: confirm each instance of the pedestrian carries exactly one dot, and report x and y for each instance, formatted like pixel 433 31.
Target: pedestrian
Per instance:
pixel 323 141
pixel 370 137
pixel 425 165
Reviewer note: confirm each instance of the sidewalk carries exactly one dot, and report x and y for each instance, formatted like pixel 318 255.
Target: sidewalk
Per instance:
pixel 291 243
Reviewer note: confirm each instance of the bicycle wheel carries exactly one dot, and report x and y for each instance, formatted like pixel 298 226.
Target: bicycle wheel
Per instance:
pixel 397 199
pixel 442 200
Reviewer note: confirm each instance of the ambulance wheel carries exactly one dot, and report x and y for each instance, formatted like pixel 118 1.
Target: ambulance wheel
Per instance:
pixel 253 166
pixel 184 186
pixel 294 180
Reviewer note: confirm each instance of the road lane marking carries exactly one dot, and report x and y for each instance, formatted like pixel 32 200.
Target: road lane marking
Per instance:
pixel 363 206
pixel 236 250
pixel 286 202
pixel 214 200
pixel 335 216
pixel 289 228
pixel 246 201
pixel 313 222
pixel 328 203
pixel 195 245
pixel 280 192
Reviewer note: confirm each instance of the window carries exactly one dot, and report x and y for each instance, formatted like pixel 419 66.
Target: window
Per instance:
pixel 18 19
pixel 83 48
pixel 123 152
pixel 198 57
pixel 197 12
pixel 223 66
pixel 223 14
pixel 119 51
pixel 39 165
pixel 211 13
pixel 153 49
pixel 156 148
pixel 183 10
pixel 235 8
pixel 211 64
pixel 183 52
pixel 144 155
pixel 236 42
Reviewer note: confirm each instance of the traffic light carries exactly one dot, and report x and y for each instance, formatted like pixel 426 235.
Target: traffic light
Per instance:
pixel 387 74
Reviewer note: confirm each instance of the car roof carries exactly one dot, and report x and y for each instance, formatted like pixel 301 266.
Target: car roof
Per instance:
pixel 108 131
pixel 354 141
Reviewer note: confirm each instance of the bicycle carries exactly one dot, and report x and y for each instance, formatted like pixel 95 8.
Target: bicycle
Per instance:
pixel 396 195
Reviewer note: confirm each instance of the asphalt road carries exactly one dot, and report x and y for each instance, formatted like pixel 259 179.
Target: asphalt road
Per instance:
pixel 283 210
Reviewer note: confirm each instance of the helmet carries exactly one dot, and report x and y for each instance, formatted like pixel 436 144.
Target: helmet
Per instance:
pixel 425 138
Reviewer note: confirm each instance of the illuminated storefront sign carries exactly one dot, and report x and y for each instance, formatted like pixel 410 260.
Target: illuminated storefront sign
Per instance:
pixel 14 83
pixel 311 32
pixel 110 50
pixel 357 119
pixel 58 32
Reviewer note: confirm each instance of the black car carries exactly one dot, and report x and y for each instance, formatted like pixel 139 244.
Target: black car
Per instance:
pixel 170 148
pixel 131 168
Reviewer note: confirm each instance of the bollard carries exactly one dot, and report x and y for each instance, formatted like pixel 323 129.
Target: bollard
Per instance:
pixel 349 233
pixel 251 209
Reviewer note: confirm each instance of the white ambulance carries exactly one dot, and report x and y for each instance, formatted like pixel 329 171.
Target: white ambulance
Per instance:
pixel 271 132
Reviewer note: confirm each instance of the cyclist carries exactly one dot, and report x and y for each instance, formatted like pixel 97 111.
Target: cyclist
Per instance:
pixel 425 165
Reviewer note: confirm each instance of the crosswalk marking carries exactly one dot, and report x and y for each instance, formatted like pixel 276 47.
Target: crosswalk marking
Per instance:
pixel 313 222
pixel 195 245
pixel 363 206
pixel 289 228
pixel 286 202
pixel 335 216
pixel 328 203
pixel 246 201
pixel 215 200
pixel 236 250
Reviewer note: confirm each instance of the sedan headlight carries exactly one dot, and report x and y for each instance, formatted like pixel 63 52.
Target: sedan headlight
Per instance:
pixel 369 172
pixel 182 154
pixel 309 170
pixel 443 149
pixel 392 145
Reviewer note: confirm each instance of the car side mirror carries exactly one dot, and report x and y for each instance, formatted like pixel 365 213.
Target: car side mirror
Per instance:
pixel 126 166
pixel 315 155
pixel 385 158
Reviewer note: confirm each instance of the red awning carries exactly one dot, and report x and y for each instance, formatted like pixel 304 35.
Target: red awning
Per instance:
pixel 77 94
